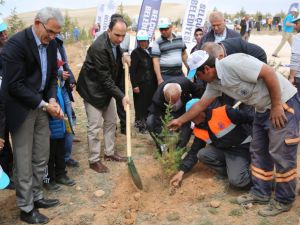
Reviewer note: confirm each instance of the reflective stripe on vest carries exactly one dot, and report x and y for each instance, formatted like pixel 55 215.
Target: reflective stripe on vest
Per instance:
pixel 220 124
pixel 202 134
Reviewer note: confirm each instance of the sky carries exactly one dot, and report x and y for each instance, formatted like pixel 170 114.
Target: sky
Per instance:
pixel 229 6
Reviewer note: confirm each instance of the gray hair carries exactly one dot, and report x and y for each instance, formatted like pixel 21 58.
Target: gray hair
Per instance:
pixel 216 15
pixel 212 49
pixel 48 13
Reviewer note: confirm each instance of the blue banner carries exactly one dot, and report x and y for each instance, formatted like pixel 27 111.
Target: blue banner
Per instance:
pixel 149 16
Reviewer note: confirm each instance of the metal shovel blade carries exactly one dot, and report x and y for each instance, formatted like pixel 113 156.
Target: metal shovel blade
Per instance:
pixel 134 174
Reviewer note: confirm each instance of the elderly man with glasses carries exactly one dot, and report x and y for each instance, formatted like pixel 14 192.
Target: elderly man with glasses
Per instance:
pixel 29 89
pixel 168 53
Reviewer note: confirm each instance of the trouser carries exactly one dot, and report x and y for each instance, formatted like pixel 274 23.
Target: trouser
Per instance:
pixel 232 162
pixel 31 153
pixel 286 37
pixel 297 84
pixel 6 156
pixel 105 118
pixel 246 36
pixel 154 125
pixel 268 149
pixel 56 164
pixel 120 108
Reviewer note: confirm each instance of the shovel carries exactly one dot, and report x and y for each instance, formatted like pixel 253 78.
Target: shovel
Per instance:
pixel 131 167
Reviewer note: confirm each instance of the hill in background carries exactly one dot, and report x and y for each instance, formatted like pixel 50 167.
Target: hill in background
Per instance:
pixel 86 17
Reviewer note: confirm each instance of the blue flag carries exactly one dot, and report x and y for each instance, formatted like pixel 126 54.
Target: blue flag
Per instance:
pixel 149 16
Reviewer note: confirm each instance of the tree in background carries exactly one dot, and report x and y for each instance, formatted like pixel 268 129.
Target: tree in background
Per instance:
pixel 125 15
pixel 241 13
pixel 15 23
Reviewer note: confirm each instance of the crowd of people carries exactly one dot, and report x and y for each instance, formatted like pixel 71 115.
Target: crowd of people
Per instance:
pixel 244 119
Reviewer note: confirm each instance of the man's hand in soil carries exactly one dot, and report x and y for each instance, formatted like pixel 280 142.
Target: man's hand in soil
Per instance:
pixel 177 179
pixel 175 124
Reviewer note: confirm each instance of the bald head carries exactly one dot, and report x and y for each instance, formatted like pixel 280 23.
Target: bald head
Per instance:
pixel 213 49
pixel 217 22
pixel 172 92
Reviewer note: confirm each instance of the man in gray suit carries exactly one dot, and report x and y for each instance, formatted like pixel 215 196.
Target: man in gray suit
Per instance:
pixel 29 89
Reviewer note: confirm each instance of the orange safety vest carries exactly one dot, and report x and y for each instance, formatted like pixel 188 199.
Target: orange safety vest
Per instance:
pixel 202 134
pixel 219 123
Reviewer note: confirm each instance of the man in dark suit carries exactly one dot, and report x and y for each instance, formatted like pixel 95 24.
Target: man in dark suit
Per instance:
pixel 246 27
pixel 219 31
pixel 177 92
pixel 235 45
pixel 97 86
pixel 29 89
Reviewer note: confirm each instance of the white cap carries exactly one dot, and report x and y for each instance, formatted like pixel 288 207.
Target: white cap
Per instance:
pixel 3 26
pixel 142 35
pixel 197 58
pixel 164 23
pixel 294 9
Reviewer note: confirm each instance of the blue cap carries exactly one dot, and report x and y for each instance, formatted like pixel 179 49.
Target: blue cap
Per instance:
pixel 296 19
pixel 4 180
pixel 142 35
pixel 3 26
pixel 164 23
pixel 190 103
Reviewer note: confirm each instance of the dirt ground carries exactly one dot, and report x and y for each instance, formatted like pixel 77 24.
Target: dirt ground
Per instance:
pixel 112 199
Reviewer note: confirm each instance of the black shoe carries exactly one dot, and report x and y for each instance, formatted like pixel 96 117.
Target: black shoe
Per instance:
pixel 123 131
pixel 34 217
pixel 72 163
pixel 46 203
pixel 52 186
pixel 65 180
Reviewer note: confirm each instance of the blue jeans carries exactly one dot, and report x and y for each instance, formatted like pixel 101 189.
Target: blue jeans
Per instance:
pixel 68 137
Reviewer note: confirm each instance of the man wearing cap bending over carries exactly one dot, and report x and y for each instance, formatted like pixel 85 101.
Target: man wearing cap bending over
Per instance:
pixel 275 126
pixel 168 53
pixel 177 92
pixel 288 28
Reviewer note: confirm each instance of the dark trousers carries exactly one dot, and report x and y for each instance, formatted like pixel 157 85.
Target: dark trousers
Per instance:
pixel 120 108
pixel 154 125
pixel 268 149
pixel 232 162
pixel 6 156
pixel 56 164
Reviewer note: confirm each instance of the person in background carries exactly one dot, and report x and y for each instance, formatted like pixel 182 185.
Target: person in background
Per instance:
pixel 197 35
pixel 294 76
pixel 76 34
pixel 288 28
pixel 168 53
pixel 246 27
pixel 219 31
pixel 143 80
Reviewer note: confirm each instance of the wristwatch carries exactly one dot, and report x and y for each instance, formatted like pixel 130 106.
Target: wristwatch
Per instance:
pixel 45 106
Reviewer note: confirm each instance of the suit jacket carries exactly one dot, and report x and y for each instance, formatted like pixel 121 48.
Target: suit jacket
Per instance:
pixel 99 74
pixel 243 25
pixel 189 90
pixel 238 45
pixel 2 118
pixel 211 37
pixel 22 76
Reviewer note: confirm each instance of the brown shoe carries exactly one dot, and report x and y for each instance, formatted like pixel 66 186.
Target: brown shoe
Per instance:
pixel 99 167
pixel 115 157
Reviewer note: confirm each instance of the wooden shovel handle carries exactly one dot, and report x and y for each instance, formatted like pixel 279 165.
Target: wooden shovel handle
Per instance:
pixel 127 109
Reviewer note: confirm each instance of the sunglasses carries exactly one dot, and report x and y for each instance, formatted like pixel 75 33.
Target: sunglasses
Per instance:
pixel 49 31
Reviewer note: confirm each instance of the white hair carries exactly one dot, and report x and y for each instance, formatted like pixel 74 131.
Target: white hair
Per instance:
pixel 48 13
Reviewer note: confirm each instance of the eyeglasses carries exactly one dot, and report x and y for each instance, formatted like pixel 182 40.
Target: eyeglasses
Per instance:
pixel 50 32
